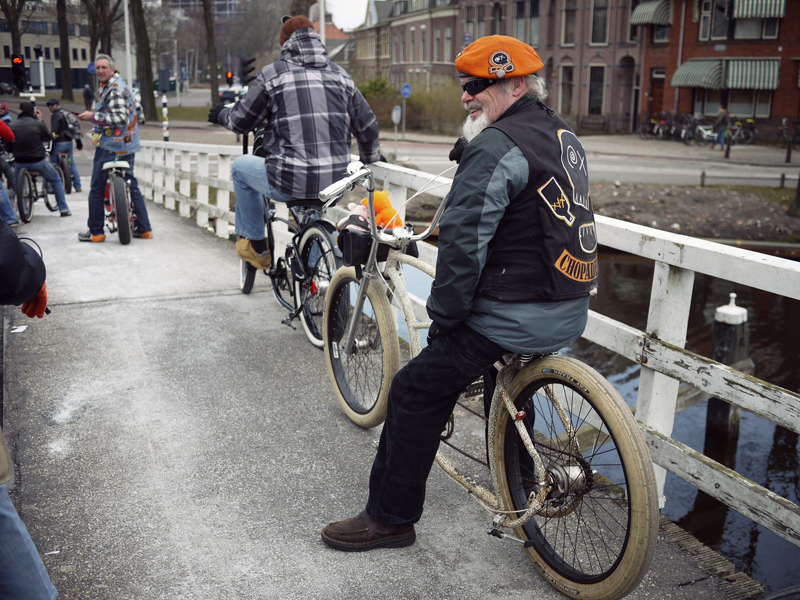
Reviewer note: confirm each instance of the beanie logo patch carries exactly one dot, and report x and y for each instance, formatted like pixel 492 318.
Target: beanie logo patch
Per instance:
pixel 500 64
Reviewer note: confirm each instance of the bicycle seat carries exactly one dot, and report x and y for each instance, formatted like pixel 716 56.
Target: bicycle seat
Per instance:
pixel 116 164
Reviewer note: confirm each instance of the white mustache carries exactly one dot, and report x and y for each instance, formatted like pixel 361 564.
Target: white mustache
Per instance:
pixel 470 106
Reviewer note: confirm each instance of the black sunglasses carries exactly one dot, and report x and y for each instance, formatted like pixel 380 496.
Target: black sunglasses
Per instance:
pixel 475 86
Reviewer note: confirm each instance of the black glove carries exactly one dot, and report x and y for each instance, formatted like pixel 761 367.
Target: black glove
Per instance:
pixel 436 331
pixel 458 150
pixel 79 143
pixel 213 114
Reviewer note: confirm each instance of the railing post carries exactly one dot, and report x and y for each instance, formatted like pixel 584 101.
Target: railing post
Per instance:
pixel 702 179
pixel 185 184
pixel 670 300
pixel 159 158
pixel 169 179
pixel 201 218
pixel 223 196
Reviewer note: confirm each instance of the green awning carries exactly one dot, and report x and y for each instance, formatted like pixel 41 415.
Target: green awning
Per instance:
pixel 757 74
pixel 759 9
pixel 699 74
pixel 652 12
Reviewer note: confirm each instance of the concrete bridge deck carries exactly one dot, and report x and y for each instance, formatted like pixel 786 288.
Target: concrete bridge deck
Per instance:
pixel 175 440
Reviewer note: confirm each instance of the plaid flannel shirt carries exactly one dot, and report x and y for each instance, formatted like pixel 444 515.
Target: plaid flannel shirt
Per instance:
pixel 116 113
pixel 312 108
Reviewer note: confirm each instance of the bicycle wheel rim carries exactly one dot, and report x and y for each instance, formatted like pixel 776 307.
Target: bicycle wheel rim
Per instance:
pixel 25 196
pixel 120 192
pixel 316 256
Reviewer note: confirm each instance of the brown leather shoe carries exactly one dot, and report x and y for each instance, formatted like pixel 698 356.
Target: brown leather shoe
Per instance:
pixel 365 533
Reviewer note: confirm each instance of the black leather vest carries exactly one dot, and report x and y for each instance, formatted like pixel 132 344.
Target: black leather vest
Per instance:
pixel 545 247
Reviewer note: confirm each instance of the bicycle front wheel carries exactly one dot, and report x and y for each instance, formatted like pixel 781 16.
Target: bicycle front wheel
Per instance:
pixel 120 193
pixel 362 378
pixel 247 276
pixel 50 193
pixel 25 195
pixel 66 171
pixel 596 533
pixel 319 263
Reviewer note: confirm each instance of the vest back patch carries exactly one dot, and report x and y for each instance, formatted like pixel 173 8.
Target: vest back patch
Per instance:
pixel 557 200
pixel 576 269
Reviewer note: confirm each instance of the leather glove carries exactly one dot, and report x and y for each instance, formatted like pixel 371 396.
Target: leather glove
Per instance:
pixel 79 143
pixel 436 331
pixel 213 114
pixel 458 150
pixel 36 305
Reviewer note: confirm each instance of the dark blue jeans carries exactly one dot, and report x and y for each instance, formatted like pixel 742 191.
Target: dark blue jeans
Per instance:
pixel 98 188
pixel 421 398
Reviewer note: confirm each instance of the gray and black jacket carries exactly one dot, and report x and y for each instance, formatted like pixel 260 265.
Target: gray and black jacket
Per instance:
pixel 519 227
pixel 312 107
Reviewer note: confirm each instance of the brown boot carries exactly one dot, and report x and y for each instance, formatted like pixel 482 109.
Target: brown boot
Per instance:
pixel 365 533
pixel 244 248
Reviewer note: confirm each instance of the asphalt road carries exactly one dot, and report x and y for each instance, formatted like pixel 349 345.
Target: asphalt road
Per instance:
pixel 175 440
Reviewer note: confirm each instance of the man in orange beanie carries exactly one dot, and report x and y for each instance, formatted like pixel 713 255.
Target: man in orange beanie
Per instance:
pixel 312 110
pixel 517 264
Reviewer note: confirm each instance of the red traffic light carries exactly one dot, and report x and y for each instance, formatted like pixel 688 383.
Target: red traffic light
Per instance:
pixel 17 60
pixel 229 77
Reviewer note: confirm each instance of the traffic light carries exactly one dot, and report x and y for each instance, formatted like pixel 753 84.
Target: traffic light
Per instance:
pixel 229 77
pixel 37 51
pixel 245 68
pixel 18 74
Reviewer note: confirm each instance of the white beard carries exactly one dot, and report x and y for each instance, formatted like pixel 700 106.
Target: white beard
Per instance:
pixel 472 127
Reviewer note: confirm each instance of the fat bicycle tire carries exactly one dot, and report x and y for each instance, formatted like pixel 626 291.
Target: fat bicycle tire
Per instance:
pixel 361 381
pixel 25 195
pixel 319 262
pixel 49 194
pixel 247 276
pixel 597 540
pixel 119 192
pixel 67 172
pixel 776 140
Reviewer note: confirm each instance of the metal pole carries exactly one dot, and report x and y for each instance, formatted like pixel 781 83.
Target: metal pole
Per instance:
pixel 41 79
pixel 165 117
pixel 322 20
pixel 177 71
pixel 404 119
pixel 128 63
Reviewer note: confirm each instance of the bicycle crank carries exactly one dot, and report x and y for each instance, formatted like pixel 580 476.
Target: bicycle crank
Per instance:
pixel 496 532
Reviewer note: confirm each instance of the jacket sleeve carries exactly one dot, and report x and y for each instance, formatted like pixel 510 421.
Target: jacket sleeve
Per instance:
pixel 364 126
pixel 248 112
pixel 22 271
pixel 5 132
pixel 492 172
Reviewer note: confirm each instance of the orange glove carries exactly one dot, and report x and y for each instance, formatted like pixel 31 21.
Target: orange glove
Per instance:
pixel 36 305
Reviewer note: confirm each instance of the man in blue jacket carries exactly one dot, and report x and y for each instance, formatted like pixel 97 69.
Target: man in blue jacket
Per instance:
pixel 312 107
pixel 517 264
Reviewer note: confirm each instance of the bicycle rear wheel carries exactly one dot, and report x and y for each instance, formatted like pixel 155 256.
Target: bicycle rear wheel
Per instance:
pixel 119 192
pixel 319 263
pixel 361 379
pixel 25 195
pixel 596 533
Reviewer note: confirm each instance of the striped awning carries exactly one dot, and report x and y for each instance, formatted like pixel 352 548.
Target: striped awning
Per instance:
pixel 757 74
pixel 652 12
pixel 699 74
pixel 759 9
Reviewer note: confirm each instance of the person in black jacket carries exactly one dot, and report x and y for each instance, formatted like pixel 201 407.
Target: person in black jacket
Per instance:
pixel 516 266
pixel 29 151
pixel 63 140
pixel 22 573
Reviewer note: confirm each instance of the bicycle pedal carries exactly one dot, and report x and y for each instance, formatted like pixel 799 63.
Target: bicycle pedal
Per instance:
pixel 288 321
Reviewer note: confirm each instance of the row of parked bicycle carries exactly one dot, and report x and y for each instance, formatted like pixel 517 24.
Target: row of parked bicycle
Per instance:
pixel 694 129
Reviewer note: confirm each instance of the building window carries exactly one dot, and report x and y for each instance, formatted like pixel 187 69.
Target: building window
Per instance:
pixel 753 29
pixel 742 104
pixel 83 54
pixel 705 20
pixel 719 21
pixel 423 44
pixel 633 30
pixel 519 21
pixel 533 25
pixel 497 20
pixel 770 29
pixel 56 53
pixel 47 53
pixel 448 41
pixel 570 16
pixel 412 45
pixel 481 22
pixel 37 27
pixel 469 26
pixel 403 47
pixel 75 54
pixel 71 29
pixel 600 22
pixel 597 77
pixel 763 103
pixel 436 42
pixel 660 34
pixel 6 52
pixel 567 87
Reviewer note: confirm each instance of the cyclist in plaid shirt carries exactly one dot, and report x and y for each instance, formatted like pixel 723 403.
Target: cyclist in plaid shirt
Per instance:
pixel 312 107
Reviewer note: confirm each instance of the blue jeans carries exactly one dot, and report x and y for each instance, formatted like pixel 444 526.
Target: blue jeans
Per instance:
pixel 250 184
pixel 6 170
pixel 67 147
pixel 421 398
pixel 22 573
pixel 6 209
pixel 98 187
pixel 51 176
pixel 720 139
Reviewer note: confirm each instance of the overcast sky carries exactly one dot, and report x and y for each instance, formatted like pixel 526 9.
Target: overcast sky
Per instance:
pixel 347 14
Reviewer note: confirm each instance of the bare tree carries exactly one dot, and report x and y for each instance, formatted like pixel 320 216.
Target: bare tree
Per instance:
pixel 255 28
pixel 211 49
pixel 144 66
pixel 102 16
pixel 301 7
pixel 63 38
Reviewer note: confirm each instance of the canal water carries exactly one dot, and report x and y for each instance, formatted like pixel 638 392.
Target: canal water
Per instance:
pixel 765 453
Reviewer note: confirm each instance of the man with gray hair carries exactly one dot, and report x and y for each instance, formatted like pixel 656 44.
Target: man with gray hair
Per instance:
pixel 115 135
pixel 517 264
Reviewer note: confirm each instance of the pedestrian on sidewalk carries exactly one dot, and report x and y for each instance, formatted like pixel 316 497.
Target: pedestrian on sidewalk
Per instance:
pixel 59 125
pixel 723 120
pixel 22 573
pixel 88 97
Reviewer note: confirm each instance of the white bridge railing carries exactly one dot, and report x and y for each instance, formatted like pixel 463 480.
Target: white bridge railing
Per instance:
pixel 167 173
